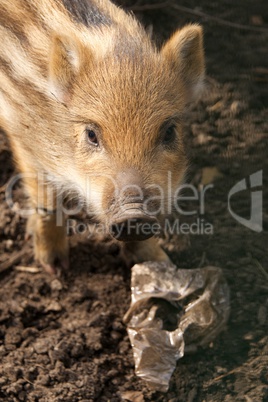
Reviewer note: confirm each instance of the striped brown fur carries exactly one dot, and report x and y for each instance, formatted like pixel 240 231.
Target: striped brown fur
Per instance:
pixel 66 65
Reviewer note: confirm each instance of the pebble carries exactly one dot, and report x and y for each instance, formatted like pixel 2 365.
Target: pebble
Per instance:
pixel 118 326
pixel 116 335
pixel 9 244
pixel 12 337
pixel 22 396
pixel 80 383
pixel 236 107
pixel 249 336
pixel 56 285
pixel 27 386
pixel 220 370
pixel 54 306
pixel 41 346
pixel 132 396
pixel 123 347
pixel 3 381
pixel 112 373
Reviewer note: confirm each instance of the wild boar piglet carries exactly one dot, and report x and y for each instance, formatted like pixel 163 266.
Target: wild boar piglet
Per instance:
pixel 91 106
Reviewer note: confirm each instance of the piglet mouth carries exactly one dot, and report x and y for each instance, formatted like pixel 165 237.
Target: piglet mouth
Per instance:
pixel 133 224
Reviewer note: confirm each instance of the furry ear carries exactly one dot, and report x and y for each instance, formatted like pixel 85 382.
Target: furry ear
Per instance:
pixel 64 63
pixel 185 53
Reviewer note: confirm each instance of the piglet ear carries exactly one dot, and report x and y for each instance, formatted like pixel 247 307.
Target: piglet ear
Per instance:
pixel 64 64
pixel 185 53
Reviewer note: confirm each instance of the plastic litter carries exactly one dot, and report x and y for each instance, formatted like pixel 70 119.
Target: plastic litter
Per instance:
pixel 173 311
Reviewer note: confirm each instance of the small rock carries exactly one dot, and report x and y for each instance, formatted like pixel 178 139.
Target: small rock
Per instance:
pixel 54 306
pixel 112 373
pixel 236 107
pixel 96 304
pixel 43 380
pixel 123 347
pixel 13 336
pixel 3 381
pixel 220 370
pixel 22 396
pixel 256 20
pixel 133 396
pixel 9 244
pixel 27 386
pixel 56 285
pixel 80 384
pixel 118 326
pixel 249 336
pixel 116 335
pixel 41 346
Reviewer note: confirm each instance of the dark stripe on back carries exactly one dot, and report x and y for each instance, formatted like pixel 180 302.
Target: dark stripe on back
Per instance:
pixel 23 85
pixel 86 12
pixel 12 25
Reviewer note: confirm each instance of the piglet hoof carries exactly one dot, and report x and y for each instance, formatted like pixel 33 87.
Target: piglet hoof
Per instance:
pixel 56 267
pixel 54 258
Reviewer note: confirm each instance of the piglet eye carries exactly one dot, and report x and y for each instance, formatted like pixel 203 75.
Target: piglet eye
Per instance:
pixel 170 135
pixel 92 137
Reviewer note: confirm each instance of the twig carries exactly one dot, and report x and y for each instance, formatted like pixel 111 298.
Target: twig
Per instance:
pixel 218 19
pixel 260 267
pixel 260 70
pixel 220 377
pixel 240 369
pixel 203 259
pixel 26 380
pixel 197 13
pixel 31 270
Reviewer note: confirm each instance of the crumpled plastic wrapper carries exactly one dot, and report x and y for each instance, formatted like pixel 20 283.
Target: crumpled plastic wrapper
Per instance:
pixel 173 311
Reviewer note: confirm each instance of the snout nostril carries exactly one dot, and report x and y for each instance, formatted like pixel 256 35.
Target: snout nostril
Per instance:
pixel 135 229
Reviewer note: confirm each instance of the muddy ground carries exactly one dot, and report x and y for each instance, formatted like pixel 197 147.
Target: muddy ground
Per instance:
pixel 62 339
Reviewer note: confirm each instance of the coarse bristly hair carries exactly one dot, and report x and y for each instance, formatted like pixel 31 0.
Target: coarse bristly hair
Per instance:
pixel 67 66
